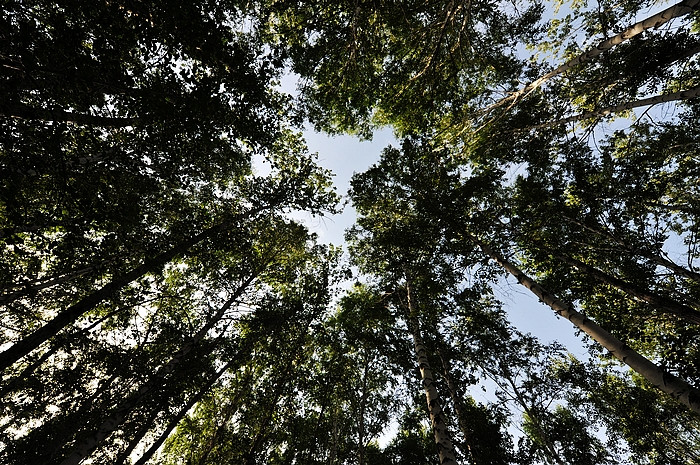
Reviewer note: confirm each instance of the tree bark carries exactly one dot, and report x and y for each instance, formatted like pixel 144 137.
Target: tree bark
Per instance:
pixel 668 383
pixel 658 259
pixel 456 397
pixel 25 112
pixel 437 416
pixel 655 100
pixel 173 422
pixel 38 285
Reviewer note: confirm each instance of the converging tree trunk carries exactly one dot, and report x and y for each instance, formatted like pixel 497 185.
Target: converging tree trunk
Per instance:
pixel 658 259
pixel 75 311
pixel 114 421
pixel 456 395
pixel 173 421
pixel 39 284
pixel 661 303
pixel 22 111
pixel 679 9
pixel 663 380
pixel 655 100
pixel 437 416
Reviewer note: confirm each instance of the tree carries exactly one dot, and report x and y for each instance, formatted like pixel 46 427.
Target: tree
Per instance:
pixel 608 247
pixel 679 9
pixel 411 182
pixel 154 292
pixel 134 228
pixel 399 241
pixel 408 64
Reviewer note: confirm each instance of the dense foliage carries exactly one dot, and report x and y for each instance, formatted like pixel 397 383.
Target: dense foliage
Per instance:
pixel 160 304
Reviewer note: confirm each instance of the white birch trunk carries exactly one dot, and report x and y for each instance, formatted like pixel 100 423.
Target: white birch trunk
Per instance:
pixel 437 416
pixel 668 383
pixel 649 101
pixel 679 9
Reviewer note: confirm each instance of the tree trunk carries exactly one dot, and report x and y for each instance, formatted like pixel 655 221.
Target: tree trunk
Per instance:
pixel 22 111
pixel 658 259
pixel 113 421
pixel 679 9
pixel 668 383
pixel 75 311
pixel 361 413
pixel 136 437
pixel 39 284
pixel 173 422
pixel 67 339
pixel 437 416
pixel 456 397
pixel 549 448
pixel 662 303
pixel 655 100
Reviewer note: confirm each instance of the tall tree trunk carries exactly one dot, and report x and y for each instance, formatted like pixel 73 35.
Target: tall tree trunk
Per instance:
pixel 456 396
pixel 438 422
pixel 75 311
pixel 52 350
pixel 173 422
pixel 281 388
pixel 549 448
pixel 658 259
pixel 667 382
pixel 39 284
pixel 362 401
pixel 664 304
pixel 655 100
pixel 679 9
pixel 136 437
pixel 120 414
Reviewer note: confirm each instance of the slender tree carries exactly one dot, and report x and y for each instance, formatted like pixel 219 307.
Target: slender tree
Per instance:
pixel 666 382
pixel 437 417
pixel 679 9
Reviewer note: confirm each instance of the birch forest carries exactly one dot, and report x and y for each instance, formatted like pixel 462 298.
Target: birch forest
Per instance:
pixel 160 304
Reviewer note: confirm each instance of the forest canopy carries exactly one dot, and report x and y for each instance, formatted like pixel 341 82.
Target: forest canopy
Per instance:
pixel 160 304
